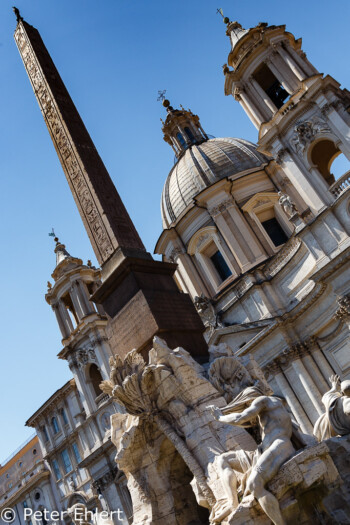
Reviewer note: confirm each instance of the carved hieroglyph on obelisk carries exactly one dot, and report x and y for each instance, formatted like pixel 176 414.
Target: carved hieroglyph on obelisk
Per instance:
pixel 104 215
pixel 138 293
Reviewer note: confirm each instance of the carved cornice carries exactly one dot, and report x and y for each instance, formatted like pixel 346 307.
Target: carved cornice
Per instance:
pixel 287 318
pixel 51 404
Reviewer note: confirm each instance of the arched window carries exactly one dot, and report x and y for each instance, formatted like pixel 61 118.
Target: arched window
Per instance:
pixel 181 140
pixel 68 303
pixel 54 425
pixel 189 134
pixel 323 154
pixel 96 379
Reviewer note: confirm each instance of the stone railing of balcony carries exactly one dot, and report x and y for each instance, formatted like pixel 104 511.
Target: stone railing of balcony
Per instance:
pixel 340 185
pixel 101 399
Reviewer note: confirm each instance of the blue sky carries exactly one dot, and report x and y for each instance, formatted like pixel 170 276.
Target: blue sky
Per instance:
pixel 113 57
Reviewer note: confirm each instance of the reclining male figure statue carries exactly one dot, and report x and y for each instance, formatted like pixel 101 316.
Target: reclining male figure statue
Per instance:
pixel 276 446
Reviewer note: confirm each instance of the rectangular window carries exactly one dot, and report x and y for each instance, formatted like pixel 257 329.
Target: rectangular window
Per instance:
pixel 220 265
pixel 271 85
pixel 76 452
pixel 46 435
pixel 64 417
pixel 56 469
pixel 55 426
pixel 66 461
pixel 274 231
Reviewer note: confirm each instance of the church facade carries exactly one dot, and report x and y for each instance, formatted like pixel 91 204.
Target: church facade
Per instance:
pixel 256 249
pixel 261 233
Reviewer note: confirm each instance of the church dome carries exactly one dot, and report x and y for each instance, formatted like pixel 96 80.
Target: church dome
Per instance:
pixel 200 166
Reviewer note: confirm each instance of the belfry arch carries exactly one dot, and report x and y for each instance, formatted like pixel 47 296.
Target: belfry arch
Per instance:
pixel 95 377
pixel 322 155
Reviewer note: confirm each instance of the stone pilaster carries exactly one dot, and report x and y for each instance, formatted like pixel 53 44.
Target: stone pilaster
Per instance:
pixel 275 370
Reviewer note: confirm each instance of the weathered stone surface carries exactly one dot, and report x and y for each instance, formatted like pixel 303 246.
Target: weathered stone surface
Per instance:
pixel 142 300
pixel 168 401
pixel 103 213
pixel 175 455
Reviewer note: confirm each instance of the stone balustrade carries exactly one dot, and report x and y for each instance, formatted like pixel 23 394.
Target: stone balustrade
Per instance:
pixel 101 399
pixel 341 185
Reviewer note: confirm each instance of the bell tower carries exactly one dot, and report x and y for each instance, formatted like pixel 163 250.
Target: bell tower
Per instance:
pixel 301 115
pixel 82 324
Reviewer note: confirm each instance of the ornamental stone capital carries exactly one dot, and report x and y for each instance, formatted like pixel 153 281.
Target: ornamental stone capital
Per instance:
pixel 83 357
pixel 220 208
pixel 237 93
pixel 175 252
pixel 343 312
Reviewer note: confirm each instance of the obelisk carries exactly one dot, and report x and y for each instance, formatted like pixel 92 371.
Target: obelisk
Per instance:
pixel 139 294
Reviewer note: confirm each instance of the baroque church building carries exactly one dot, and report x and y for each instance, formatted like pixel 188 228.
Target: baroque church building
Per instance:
pixel 255 253
pixel 260 234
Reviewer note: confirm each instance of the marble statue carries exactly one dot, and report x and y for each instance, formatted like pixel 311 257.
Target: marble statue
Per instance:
pixel 165 413
pixel 181 442
pixel 230 376
pixel 287 204
pixel 71 484
pixel 276 446
pixel 336 420
pixel 206 310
